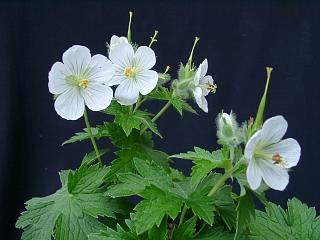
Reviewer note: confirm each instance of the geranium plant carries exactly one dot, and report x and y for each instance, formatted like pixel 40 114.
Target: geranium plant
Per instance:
pixel 138 195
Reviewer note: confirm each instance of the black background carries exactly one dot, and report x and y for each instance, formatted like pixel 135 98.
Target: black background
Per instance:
pixel 239 38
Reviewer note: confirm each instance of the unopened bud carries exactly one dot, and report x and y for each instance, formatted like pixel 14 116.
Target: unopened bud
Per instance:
pixel 228 131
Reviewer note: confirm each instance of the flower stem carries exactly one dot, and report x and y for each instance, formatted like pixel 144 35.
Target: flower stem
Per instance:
pixel 86 119
pixel 153 38
pixel 155 118
pixel 223 179
pixel 129 27
pixel 183 214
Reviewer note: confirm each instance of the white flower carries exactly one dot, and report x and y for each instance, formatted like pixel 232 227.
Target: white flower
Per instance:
pixel 132 72
pixel 203 85
pixel 115 40
pixel 80 80
pixel 269 157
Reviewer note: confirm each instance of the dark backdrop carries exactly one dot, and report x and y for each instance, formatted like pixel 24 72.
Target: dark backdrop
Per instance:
pixel 239 38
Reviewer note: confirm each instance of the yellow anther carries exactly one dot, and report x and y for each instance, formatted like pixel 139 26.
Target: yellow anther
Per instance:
pixel 83 83
pixel 130 72
pixel 212 87
pixel 277 158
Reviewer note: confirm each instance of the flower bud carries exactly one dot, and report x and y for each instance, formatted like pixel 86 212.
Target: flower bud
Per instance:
pixel 228 131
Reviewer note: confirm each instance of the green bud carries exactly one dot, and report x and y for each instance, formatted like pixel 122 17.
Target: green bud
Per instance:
pixel 228 130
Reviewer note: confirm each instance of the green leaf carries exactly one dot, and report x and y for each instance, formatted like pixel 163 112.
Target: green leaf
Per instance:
pixel 155 206
pixel 296 223
pixel 80 136
pixel 245 212
pixel 159 233
pixel 72 212
pixel 186 230
pixel 89 158
pixel 110 234
pixel 204 161
pixel 214 233
pixel 129 120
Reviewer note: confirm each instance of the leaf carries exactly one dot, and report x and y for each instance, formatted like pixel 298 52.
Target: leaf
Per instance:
pixel 155 206
pixel 110 234
pixel 204 161
pixel 128 119
pixel 295 223
pixel 245 212
pixel 159 233
pixel 186 230
pixel 81 136
pixel 72 212
pixel 214 233
pixel 89 158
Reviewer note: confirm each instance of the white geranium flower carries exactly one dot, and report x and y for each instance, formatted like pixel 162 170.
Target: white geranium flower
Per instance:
pixel 269 157
pixel 132 72
pixel 80 80
pixel 115 40
pixel 203 85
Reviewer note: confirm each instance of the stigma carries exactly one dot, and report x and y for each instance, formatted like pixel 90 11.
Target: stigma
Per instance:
pixel 212 87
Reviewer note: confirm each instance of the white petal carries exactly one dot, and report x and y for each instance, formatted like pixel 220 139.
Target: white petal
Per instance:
pixel 254 175
pixel 122 55
pixel 70 104
pixel 203 68
pixel 97 96
pixel 77 58
pixel 200 99
pixel 197 77
pixel 145 58
pixel 274 129
pixel 275 176
pixel 206 80
pixel 147 81
pixel 100 70
pixel 114 40
pixel 127 92
pixel 289 149
pixel 57 83
pixel 252 144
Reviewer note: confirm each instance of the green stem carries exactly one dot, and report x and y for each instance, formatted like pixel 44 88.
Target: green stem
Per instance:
pixel 183 214
pixel 155 118
pixel 129 27
pixel 86 119
pixel 191 53
pixel 223 179
pixel 139 103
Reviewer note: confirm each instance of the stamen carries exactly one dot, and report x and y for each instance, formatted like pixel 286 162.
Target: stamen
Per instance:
pixel 83 83
pixel 212 87
pixel 277 158
pixel 130 72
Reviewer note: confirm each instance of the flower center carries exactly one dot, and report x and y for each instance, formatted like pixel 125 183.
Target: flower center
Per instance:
pixel 130 72
pixel 277 158
pixel 83 83
pixel 212 87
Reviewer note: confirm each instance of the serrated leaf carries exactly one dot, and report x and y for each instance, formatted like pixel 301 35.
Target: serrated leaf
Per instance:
pixel 295 223
pixel 214 233
pixel 186 230
pixel 89 158
pixel 180 105
pixel 155 206
pixel 81 136
pixel 159 233
pixel 110 234
pixel 204 161
pixel 72 212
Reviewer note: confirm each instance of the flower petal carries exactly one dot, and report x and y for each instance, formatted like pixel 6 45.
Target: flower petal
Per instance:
pixel 147 81
pixel 274 176
pixel 145 58
pixel 254 175
pixel 57 83
pixel 77 59
pixel 200 99
pixel 122 54
pixel 206 80
pixel 251 145
pixel 273 130
pixel 127 92
pixel 70 104
pixel 100 70
pixel 203 68
pixel 97 96
pixel 289 149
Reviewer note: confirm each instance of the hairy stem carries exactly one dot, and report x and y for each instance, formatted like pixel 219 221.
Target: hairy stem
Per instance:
pixel 93 141
pixel 155 118
pixel 183 214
